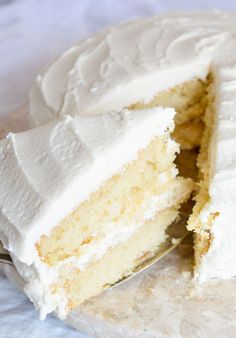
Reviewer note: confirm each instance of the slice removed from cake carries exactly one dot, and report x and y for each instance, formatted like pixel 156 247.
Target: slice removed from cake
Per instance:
pixel 85 200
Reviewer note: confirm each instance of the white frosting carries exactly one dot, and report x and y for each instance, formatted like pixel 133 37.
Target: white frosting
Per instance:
pixel 134 61
pixel 44 176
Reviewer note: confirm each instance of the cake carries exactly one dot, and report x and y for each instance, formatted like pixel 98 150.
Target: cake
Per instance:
pixel 84 200
pixel 186 61
pixel 126 126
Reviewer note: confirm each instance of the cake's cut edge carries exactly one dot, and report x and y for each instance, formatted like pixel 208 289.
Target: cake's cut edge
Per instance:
pixel 201 220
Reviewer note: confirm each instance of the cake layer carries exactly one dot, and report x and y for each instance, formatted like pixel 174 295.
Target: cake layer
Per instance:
pixel 189 100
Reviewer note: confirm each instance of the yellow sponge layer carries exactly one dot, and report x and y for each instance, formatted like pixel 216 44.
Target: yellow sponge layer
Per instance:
pixel 189 100
pixel 202 230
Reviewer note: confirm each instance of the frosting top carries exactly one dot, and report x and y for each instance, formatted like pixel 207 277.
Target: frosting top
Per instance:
pixel 130 63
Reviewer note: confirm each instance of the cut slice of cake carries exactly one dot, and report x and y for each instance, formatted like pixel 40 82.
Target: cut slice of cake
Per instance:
pixel 84 200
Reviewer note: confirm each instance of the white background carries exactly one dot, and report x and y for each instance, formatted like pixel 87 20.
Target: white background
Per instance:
pixel 32 33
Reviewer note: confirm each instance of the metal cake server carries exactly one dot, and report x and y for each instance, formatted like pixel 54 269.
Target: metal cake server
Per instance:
pixel 5 258
pixel 176 232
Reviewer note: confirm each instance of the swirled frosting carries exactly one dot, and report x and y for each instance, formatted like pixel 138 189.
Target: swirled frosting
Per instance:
pixel 134 61
pixel 131 63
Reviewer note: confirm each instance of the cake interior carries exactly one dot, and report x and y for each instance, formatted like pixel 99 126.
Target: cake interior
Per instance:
pixel 202 231
pixel 124 222
pixel 194 102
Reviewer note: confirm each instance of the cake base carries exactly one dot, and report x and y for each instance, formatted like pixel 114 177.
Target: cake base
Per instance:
pixel 162 302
